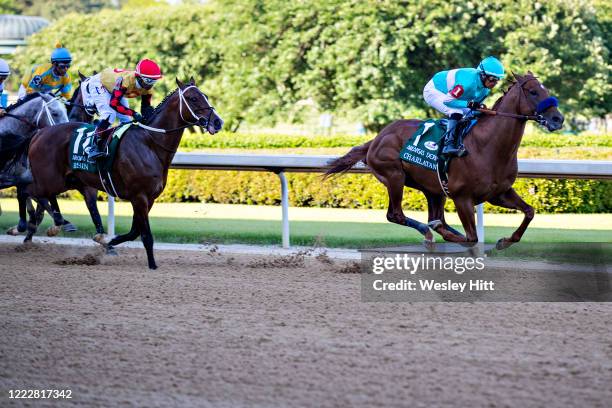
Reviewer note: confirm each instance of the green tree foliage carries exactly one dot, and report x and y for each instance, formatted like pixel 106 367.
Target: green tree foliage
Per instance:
pixel 56 9
pixel 258 58
pixel 8 7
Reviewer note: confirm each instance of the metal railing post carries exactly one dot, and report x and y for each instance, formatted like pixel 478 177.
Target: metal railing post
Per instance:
pixel 111 216
pixel 480 222
pixel 285 206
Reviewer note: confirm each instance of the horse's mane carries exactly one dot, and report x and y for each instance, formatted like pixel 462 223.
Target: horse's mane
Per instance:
pixel 160 106
pixel 73 97
pixel 511 84
pixel 23 101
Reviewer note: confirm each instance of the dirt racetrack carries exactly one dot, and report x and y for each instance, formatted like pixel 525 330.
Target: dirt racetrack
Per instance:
pixel 210 329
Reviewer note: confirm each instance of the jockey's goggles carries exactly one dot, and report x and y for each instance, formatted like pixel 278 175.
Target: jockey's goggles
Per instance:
pixel 492 78
pixel 62 65
pixel 3 77
pixel 147 81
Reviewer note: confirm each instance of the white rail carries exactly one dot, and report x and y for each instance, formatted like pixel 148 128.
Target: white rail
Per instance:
pixel 279 164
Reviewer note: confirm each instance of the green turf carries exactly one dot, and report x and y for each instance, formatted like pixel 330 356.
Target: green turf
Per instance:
pixel 332 234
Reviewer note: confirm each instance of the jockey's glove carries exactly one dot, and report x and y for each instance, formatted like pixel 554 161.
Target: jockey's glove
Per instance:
pixel 137 117
pixel 475 105
pixel 2 112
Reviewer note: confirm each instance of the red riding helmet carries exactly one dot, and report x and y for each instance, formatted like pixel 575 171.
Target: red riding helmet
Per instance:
pixel 148 69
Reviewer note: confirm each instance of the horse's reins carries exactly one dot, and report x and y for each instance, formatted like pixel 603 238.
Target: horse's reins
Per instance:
pixel 189 124
pixel 44 108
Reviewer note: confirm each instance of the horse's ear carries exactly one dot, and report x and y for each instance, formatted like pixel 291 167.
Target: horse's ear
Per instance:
pixel 179 83
pixel 95 72
pixel 530 73
pixel 192 81
pixel 83 77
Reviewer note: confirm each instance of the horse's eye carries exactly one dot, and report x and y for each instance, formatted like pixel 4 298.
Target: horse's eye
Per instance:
pixel 193 99
pixel 534 93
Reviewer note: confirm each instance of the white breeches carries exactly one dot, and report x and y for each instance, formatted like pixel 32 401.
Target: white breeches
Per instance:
pixel 94 94
pixel 436 99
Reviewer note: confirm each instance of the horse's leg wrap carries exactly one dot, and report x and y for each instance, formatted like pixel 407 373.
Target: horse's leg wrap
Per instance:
pixel 419 226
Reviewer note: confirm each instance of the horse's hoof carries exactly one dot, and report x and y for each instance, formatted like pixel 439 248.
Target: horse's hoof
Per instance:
pixel 503 243
pixel 111 251
pixel 69 227
pixel 14 231
pixel 100 239
pixel 153 267
pixel 53 231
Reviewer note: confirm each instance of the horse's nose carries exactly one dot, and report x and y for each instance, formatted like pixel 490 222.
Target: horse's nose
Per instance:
pixel 218 124
pixel 557 119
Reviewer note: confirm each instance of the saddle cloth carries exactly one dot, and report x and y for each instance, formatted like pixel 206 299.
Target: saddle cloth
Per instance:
pixel 424 146
pixel 81 141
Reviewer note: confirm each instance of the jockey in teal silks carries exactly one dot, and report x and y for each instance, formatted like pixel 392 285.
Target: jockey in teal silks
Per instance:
pixel 456 92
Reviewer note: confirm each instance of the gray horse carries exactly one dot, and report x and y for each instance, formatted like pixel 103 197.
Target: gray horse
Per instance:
pixel 17 127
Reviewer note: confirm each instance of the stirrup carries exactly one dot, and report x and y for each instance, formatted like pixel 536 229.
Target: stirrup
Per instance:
pixel 449 150
pixel 93 156
pixel 462 151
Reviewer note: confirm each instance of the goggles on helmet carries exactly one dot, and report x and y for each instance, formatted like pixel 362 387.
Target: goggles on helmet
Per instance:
pixel 147 81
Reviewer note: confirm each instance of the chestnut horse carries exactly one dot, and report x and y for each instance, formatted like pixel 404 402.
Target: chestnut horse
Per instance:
pixel 485 175
pixel 140 168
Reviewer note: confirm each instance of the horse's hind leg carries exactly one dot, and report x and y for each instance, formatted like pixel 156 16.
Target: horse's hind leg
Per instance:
pixel 394 181
pixel 436 221
pixel 58 218
pixel 510 199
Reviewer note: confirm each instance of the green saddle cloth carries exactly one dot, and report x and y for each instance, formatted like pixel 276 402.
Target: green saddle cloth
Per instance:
pixel 423 146
pixel 80 143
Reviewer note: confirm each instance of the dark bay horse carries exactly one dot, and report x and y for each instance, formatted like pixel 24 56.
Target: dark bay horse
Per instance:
pixel 140 169
pixel 485 175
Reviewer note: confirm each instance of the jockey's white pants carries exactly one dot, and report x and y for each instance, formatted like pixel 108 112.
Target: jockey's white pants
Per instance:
pixel 436 99
pixel 96 95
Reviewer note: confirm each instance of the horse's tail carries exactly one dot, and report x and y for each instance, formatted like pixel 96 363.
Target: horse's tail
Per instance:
pixel 344 163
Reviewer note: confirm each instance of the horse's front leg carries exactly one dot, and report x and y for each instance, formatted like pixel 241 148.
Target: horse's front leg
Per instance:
pixel 436 221
pixel 22 196
pixel 510 199
pixel 465 209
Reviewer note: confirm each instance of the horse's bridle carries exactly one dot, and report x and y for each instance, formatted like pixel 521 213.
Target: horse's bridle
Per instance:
pixel 44 108
pixel 539 108
pixel 200 121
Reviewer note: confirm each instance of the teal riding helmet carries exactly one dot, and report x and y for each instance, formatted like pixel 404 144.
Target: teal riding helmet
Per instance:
pixel 492 66
pixel 61 54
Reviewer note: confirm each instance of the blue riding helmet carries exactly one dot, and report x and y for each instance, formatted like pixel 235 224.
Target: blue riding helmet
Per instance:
pixel 492 66
pixel 60 54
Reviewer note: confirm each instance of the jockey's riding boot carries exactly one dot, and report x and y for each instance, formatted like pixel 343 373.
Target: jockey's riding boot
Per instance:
pixel 96 151
pixel 450 139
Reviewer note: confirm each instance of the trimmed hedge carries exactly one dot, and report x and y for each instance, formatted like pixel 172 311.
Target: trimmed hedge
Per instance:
pixel 364 191
pixel 226 140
